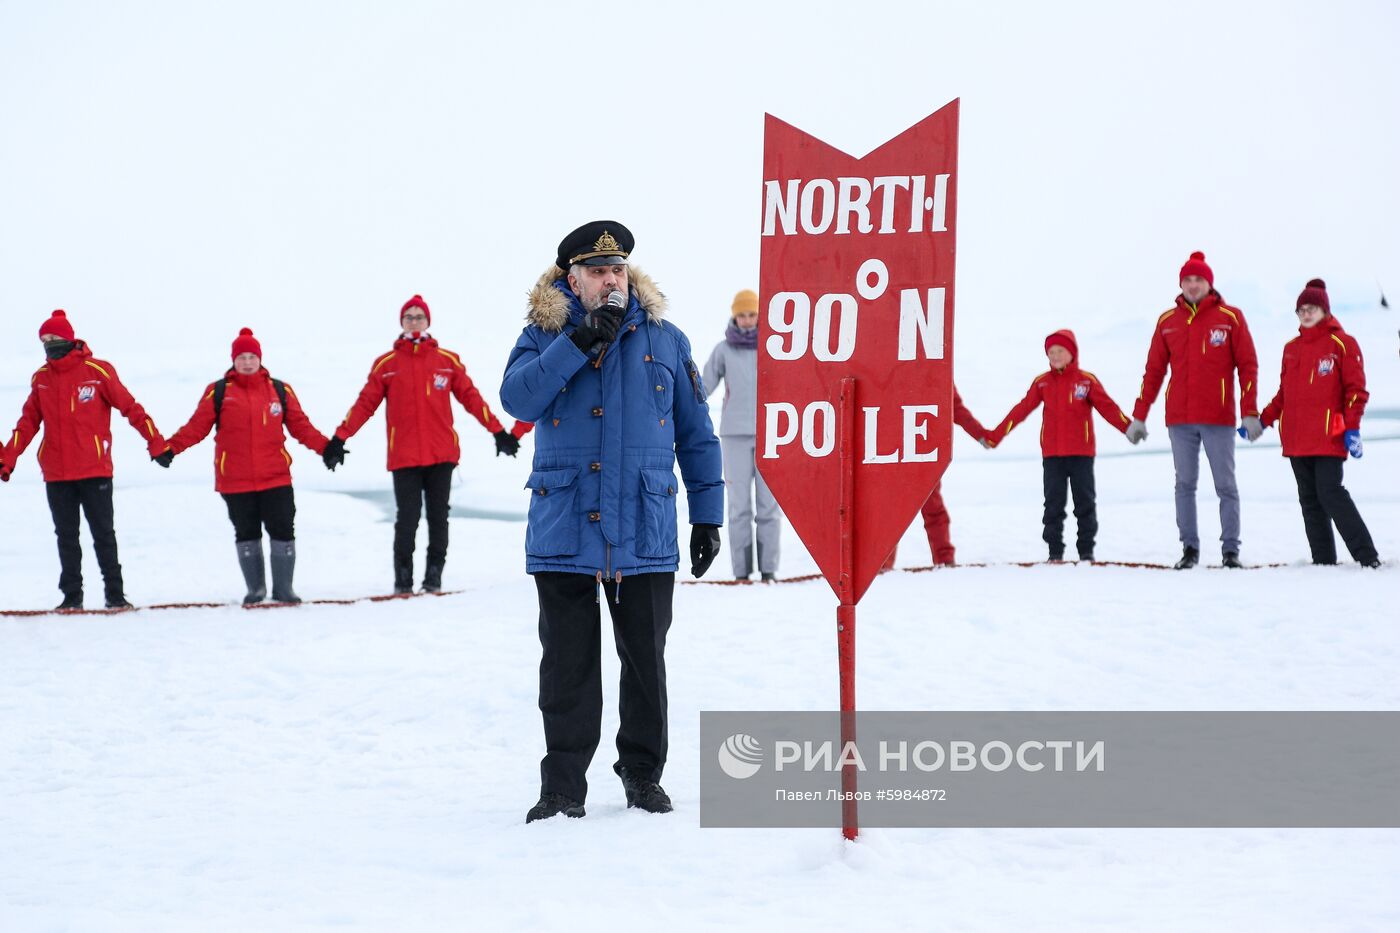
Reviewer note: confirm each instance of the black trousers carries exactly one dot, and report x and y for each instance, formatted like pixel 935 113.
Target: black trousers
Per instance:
pixel 571 687
pixel 414 486
pixel 1078 473
pixel 1326 502
pixel 250 512
pixel 94 497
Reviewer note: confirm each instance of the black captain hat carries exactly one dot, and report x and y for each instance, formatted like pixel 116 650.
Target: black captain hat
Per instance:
pixel 596 243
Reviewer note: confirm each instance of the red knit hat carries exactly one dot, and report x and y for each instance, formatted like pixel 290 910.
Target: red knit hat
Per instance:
pixel 416 302
pixel 245 342
pixel 1063 338
pixel 1315 294
pixel 1196 265
pixel 58 325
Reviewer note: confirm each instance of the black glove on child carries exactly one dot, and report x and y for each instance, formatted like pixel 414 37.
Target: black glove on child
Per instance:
pixel 334 454
pixel 598 326
pixel 506 443
pixel 704 545
pixel 165 458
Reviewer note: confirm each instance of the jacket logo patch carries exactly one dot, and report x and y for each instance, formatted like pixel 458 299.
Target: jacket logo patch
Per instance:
pixel 275 409
pixel 440 382
pixel 86 393
pixel 1218 336
pixel 1081 391
pixel 1324 366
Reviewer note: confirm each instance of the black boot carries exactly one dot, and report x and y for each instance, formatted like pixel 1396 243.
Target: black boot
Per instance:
pixel 117 601
pixel 552 805
pixel 643 792
pixel 403 576
pixel 1189 557
pixel 250 561
pixel 284 562
pixel 71 601
pixel 1231 559
pixel 432 578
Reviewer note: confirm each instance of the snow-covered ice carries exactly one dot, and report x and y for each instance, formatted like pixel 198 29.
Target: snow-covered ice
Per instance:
pixel 369 766
pixel 170 172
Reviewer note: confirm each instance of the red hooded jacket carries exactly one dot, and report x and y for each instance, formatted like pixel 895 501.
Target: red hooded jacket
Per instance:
pixel 1204 346
pixel 73 398
pixel 419 378
pixel 1321 391
pixel 250 452
pixel 1067 424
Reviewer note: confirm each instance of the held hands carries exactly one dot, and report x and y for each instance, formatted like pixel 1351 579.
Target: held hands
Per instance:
pixel 988 443
pixel 506 443
pixel 165 458
pixel 1353 442
pixel 334 454
pixel 704 545
pixel 1137 431
pixel 1250 428
pixel 599 325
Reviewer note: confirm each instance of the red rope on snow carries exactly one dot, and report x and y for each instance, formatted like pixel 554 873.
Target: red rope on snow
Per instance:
pixel 26 613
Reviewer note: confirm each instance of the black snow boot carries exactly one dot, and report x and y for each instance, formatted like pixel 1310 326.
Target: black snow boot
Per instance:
pixel 1189 558
pixel 117 601
pixel 250 561
pixel 552 805
pixel 432 578
pixel 643 792
pixel 403 577
pixel 71 601
pixel 1231 559
pixel 284 562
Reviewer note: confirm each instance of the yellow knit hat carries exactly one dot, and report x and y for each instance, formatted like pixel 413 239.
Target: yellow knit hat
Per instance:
pixel 746 300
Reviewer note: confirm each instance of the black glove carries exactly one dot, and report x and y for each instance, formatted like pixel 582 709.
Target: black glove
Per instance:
pixel 599 326
pixel 506 443
pixel 704 545
pixel 334 454
pixel 165 458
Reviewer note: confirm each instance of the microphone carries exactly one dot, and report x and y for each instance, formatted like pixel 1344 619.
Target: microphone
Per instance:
pixel 617 301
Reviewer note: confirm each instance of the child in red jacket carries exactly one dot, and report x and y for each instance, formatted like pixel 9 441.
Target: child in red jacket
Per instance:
pixel 71 397
pixel 1066 439
pixel 251 414
pixel 1321 397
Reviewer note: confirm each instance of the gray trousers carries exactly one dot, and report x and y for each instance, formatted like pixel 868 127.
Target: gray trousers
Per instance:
pixel 742 486
pixel 1219 442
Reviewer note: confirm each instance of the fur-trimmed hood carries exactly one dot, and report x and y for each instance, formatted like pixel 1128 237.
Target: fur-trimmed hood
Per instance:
pixel 549 307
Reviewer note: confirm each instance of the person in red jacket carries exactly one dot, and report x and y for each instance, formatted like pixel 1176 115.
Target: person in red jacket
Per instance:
pixel 1205 342
pixel 248 411
pixel 1070 396
pixel 1321 397
pixel 419 379
pixel 935 513
pixel 72 397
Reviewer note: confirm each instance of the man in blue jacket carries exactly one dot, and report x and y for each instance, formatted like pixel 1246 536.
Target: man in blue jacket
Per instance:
pixel 617 400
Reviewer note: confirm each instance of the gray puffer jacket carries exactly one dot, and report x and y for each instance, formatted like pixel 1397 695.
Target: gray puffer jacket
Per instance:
pixel 738 367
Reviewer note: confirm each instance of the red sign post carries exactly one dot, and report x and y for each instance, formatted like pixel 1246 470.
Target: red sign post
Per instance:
pixel 855 361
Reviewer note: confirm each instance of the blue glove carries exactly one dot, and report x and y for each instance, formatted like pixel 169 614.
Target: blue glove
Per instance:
pixel 1353 442
pixel 1242 433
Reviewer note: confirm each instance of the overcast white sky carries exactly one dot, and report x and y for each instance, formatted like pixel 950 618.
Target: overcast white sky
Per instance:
pixel 171 171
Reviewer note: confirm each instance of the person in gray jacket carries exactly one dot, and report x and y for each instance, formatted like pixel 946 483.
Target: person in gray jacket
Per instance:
pixel 735 360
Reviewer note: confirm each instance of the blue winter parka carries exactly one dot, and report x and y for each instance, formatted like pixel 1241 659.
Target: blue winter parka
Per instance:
pixel 607 436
